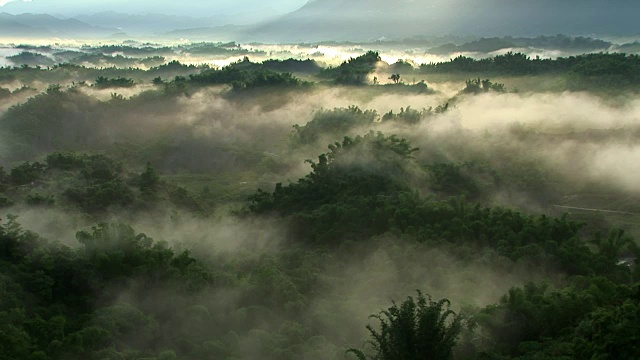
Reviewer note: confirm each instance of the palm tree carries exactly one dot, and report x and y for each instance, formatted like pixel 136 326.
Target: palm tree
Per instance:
pixel 612 246
pixel 416 329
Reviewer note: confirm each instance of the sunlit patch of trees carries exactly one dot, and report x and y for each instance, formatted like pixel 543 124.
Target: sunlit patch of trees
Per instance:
pixel 119 82
pixel 354 71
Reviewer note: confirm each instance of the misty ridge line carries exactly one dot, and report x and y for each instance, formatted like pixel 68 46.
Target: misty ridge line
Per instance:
pixel 124 53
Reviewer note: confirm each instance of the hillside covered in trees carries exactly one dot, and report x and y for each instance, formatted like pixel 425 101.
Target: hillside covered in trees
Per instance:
pixel 472 208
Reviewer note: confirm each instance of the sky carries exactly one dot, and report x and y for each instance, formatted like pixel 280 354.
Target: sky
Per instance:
pixel 185 7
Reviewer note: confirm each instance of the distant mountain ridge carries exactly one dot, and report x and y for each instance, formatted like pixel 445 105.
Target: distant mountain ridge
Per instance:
pixel 9 28
pixel 372 19
pixel 148 23
pixel 161 24
pixel 224 12
pixel 349 20
pixel 44 25
pixel 207 34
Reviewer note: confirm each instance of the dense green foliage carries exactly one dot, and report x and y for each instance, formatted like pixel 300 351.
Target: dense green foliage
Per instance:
pixel 591 71
pixel 341 200
pixel 102 60
pixel 93 183
pixel 214 49
pixel 74 311
pixel 128 50
pixel 518 63
pixel 525 319
pixel 293 269
pixel 556 42
pixel 575 322
pixel 50 307
pixel 245 79
pixel 334 122
pixel 417 329
pixel 354 71
pixel 31 59
pixel 331 124
pixel 104 83
pixel 45 122
pixel 284 66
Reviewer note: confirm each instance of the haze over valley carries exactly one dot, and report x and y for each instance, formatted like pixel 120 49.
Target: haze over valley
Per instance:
pixel 323 179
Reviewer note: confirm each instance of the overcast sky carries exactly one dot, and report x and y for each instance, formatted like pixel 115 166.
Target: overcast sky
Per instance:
pixel 201 8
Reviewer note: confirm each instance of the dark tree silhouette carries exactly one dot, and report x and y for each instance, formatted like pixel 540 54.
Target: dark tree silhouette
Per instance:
pixel 415 329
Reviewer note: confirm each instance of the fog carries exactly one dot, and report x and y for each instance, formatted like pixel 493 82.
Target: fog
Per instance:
pixel 567 116
pixel 211 223
pixel 424 50
pixel 570 132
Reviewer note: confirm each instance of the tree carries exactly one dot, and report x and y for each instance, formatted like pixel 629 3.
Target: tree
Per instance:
pixel 4 179
pixel 417 329
pixel 4 93
pixel 104 82
pixel 610 333
pixel 477 86
pixel 149 179
pixel 354 71
pixel 26 173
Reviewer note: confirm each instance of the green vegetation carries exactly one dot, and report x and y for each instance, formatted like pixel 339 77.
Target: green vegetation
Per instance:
pixel 93 184
pixel 333 123
pixel 30 59
pixel 245 79
pixel 477 86
pixel 105 83
pixel 215 49
pixel 585 72
pixel 102 60
pixel 130 50
pixel 415 330
pixel 354 71
pixel 180 220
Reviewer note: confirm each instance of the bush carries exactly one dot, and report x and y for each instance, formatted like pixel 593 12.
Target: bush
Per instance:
pixel 26 173
pixel 64 161
pixel 100 196
pixel 40 200
pixel 5 202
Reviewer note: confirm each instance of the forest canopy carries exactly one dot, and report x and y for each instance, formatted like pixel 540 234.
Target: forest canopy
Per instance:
pixel 218 200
